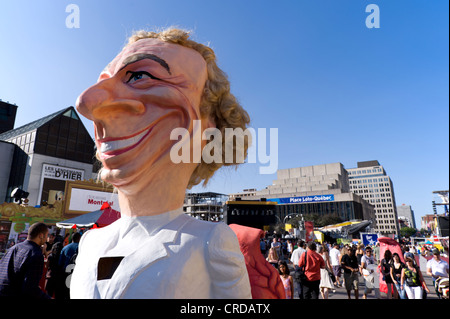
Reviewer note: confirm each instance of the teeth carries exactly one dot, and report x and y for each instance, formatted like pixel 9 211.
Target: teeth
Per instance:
pixel 119 144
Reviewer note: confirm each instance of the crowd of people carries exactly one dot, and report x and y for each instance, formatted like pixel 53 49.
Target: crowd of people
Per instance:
pixel 46 260
pixel 39 267
pixel 319 269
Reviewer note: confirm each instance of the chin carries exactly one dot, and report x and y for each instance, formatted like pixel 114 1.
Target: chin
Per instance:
pixel 134 176
pixel 119 178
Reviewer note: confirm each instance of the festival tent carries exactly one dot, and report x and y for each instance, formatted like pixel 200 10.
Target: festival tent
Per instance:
pixel 99 218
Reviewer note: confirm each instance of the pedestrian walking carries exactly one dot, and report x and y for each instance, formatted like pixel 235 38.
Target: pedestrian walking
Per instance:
pixel 313 263
pixel 368 267
pixel 290 248
pixel 296 255
pixel 349 264
pixel 412 280
pixel 286 279
pixel 22 267
pixel 335 259
pixel 386 272
pixel 436 268
pixel 397 272
pixel 326 284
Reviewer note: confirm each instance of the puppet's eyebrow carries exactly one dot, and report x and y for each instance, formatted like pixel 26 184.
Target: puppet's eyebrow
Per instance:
pixel 142 56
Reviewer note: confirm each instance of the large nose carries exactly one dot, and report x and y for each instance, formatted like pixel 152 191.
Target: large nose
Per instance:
pixel 107 99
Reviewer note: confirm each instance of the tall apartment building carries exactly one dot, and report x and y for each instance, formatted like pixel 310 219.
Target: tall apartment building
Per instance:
pixel 370 181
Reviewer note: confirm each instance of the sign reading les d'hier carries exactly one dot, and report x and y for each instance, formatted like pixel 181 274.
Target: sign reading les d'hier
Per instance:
pixel 62 173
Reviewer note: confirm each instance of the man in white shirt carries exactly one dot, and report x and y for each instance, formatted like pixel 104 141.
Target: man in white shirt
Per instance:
pixel 335 256
pixel 368 266
pixel 436 267
pixel 296 255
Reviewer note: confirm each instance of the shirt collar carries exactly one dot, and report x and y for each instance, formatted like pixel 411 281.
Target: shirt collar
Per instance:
pixel 149 224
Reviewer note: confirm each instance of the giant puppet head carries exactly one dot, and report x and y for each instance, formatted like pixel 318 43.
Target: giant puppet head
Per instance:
pixel 157 83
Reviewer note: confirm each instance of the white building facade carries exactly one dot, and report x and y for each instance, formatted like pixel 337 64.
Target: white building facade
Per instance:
pixel 370 181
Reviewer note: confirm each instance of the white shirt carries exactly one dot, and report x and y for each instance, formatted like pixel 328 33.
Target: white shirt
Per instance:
pixel 334 256
pixel 438 268
pixel 296 254
pixel 367 260
pixel 170 255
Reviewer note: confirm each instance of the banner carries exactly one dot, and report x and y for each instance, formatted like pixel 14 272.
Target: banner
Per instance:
pixel 369 239
pixel 309 231
pixel 303 199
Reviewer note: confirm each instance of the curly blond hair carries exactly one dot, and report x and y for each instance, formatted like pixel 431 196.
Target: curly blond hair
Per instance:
pixel 217 102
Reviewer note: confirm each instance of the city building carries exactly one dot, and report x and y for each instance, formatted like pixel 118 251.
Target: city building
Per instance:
pixel 46 153
pixel 406 215
pixel 370 181
pixel 7 116
pixel 6 160
pixel 319 189
pixel 205 206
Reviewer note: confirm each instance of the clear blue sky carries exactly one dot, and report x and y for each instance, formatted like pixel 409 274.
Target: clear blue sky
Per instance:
pixel 336 90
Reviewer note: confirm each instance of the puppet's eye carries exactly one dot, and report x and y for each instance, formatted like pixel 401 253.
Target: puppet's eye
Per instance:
pixel 135 76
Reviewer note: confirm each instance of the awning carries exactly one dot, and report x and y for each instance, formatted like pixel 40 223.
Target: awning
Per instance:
pixel 351 229
pixel 98 218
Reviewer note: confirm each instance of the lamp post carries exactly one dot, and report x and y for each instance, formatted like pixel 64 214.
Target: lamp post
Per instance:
pixel 284 219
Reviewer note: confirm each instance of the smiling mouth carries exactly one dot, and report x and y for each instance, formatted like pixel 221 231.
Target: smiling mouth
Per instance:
pixel 115 146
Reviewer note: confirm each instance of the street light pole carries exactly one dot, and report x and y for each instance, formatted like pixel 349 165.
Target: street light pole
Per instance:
pixel 284 219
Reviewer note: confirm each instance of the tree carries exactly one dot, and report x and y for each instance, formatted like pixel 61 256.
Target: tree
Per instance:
pixel 407 231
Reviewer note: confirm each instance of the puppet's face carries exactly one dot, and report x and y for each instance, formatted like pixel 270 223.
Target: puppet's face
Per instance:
pixel 149 89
